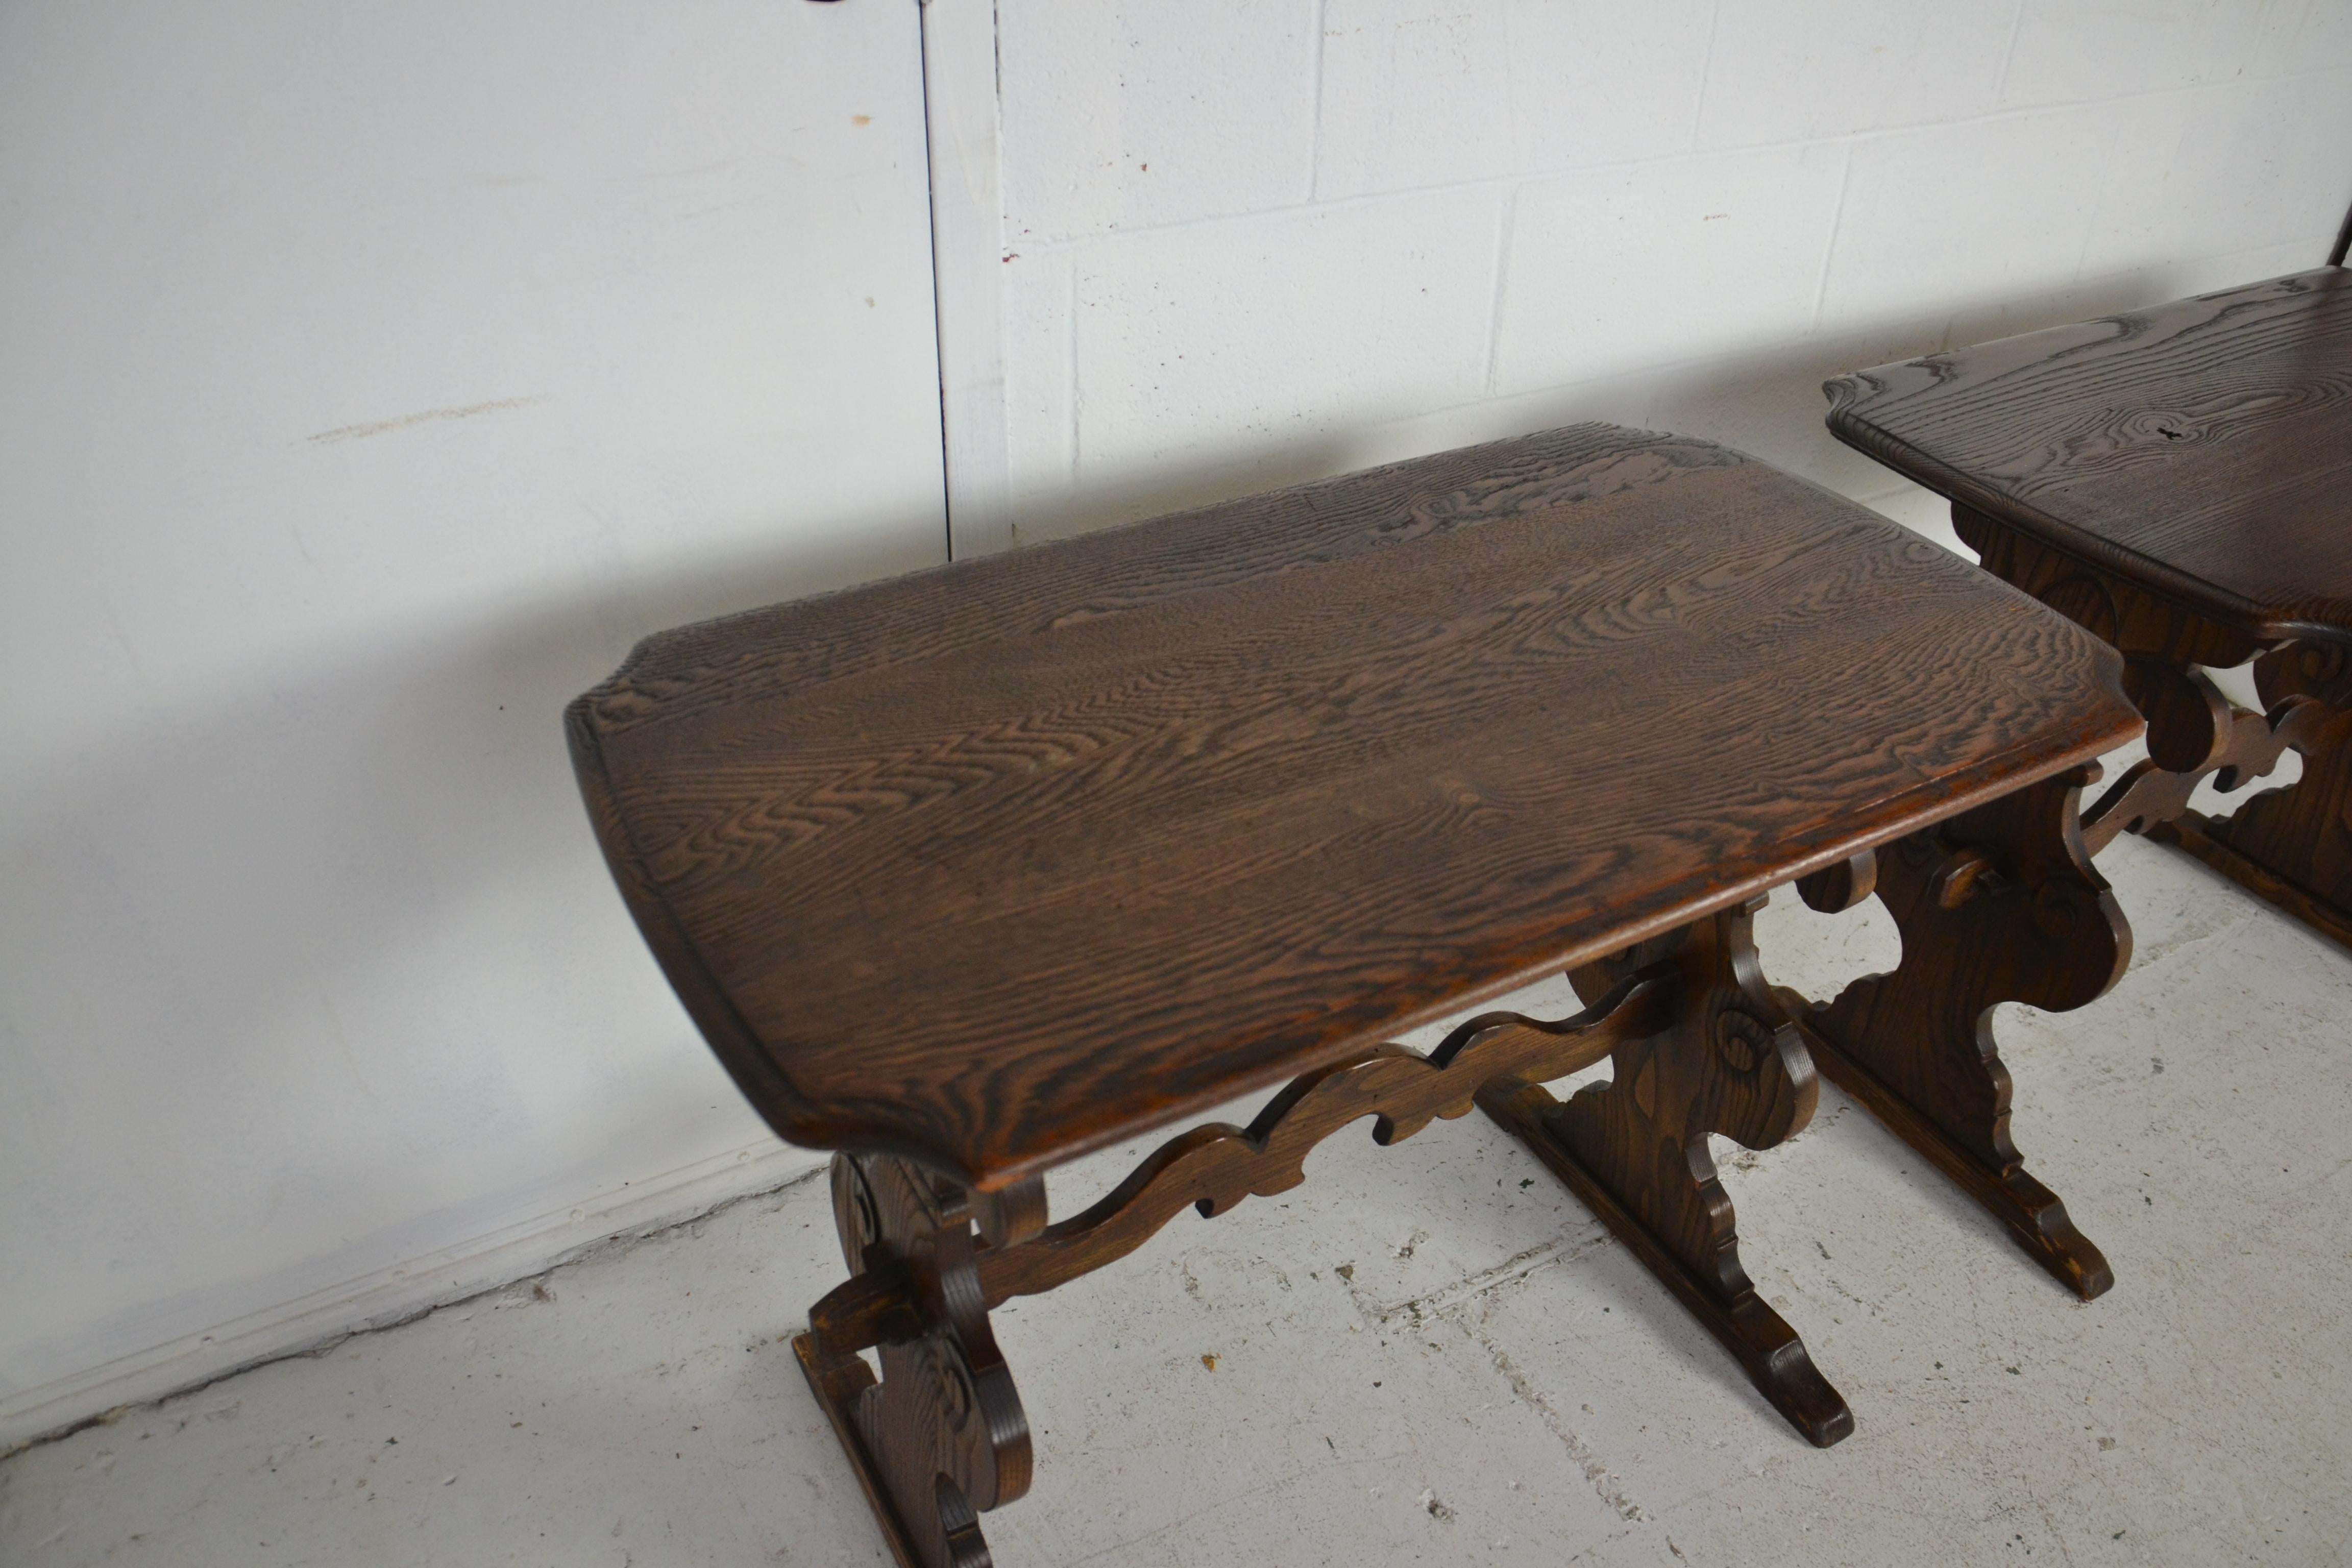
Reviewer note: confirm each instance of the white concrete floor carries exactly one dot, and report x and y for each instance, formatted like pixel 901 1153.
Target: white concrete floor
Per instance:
pixel 1430 1353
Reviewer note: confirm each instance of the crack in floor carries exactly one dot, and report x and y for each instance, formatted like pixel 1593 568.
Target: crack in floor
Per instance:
pixel 536 1281
pixel 1606 1482
pixel 2158 954
pixel 1448 1299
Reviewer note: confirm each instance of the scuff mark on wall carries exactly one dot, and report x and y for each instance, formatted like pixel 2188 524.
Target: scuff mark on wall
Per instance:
pixel 354 432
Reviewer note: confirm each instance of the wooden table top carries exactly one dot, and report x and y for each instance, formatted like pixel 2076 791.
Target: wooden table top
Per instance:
pixel 2202 449
pixel 1004 861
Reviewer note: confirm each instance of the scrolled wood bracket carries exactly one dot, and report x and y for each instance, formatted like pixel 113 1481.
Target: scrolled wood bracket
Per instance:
pixel 2245 746
pixel 1999 904
pixel 2291 846
pixel 941 1437
pixel 1214 1167
pixel 1833 889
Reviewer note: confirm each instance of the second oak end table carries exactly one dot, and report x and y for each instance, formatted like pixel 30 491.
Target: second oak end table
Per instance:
pixel 2179 480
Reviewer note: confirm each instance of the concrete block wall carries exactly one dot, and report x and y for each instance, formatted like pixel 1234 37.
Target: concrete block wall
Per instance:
pixel 1252 241
pixel 373 377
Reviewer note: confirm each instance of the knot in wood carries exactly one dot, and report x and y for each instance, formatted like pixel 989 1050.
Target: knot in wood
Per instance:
pixel 1742 1039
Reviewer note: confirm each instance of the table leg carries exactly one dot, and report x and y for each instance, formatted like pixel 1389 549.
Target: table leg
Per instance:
pixel 1999 904
pixel 940 1438
pixel 1635 1149
pixel 2290 847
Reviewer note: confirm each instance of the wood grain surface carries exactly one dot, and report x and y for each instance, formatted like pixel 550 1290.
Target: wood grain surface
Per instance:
pixel 2202 449
pixel 1000 862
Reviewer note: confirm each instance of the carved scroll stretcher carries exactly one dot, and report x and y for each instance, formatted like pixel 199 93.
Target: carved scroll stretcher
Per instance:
pixel 2291 846
pixel 1215 1166
pixel 941 1437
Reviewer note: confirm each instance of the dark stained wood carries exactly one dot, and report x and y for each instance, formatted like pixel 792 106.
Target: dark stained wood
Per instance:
pixel 1634 1149
pixel 2180 481
pixel 1833 889
pixel 2153 799
pixel 1211 1168
pixel 975 870
pixel 2000 904
pixel 1700 1043
pixel 2196 734
pixel 2201 450
pixel 996 864
pixel 2300 835
pixel 2176 482
pixel 940 1438
pixel 2292 846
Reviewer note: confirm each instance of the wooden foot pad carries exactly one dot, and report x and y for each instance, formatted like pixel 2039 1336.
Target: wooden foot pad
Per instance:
pixel 2033 1214
pixel 1998 905
pixel 1635 1149
pixel 953 1538
pixel 2207 839
pixel 1759 1337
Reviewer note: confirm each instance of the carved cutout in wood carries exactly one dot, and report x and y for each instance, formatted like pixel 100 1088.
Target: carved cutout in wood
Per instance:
pixel 1215 1166
pixel 2292 846
pixel 940 1438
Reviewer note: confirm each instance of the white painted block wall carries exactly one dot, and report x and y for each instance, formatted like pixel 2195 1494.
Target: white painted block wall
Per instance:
pixel 371 377
pixel 1252 241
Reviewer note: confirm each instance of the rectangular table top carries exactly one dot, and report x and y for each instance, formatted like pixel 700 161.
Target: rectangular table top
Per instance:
pixel 2202 449
pixel 1002 861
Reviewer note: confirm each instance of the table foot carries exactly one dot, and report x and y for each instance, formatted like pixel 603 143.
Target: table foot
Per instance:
pixel 1635 1149
pixel 1999 904
pixel 2034 1215
pixel 2207 839
pixel 1759 1337
pixel 941 1437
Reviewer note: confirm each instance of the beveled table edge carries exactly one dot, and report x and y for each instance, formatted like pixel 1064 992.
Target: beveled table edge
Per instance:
pixel 787 1113
pixel 1849 392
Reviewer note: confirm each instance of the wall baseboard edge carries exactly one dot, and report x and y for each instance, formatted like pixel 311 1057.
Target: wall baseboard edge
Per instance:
pixel 396 1294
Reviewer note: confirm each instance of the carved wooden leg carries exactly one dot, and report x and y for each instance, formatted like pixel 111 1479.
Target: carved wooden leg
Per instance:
pixel 2291 847
pixel 940 1438
pixel 1998 905
pixel 1635 1150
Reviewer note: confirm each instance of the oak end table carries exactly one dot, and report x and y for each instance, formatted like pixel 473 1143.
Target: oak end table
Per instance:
pixel 965 874
pixel 2180 481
